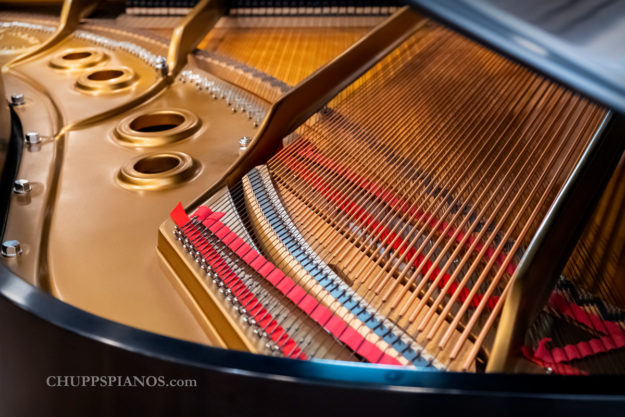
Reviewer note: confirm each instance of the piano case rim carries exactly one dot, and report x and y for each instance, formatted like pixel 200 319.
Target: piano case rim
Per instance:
pixel 111 348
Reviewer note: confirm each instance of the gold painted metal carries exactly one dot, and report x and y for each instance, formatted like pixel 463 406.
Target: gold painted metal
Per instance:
pixel 105 80
pixel 123 279
pixel 191 31
pixel 295 107
pixel 185 38
pixel 78 104
pixel 118 275
pixel 78 58
pixel 47 88
pixel 71 14
pixel 158 170
pixel 151 128
pixel 153 91
pixel 193 305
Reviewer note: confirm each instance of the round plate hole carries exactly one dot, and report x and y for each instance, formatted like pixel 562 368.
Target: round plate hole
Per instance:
pixel 156 127
pixel 156 164
pixel 78 59
pixel 76 55
pixel 157 122
pixel 156 171
pixel 105 75
pixel 106 80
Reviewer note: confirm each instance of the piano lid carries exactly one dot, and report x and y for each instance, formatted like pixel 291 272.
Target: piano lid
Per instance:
pixel 580 43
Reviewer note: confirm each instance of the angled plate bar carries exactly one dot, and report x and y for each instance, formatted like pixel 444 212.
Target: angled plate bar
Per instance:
pixel 72 13
pixel 191 31
pixel 184 40
pixel 295 107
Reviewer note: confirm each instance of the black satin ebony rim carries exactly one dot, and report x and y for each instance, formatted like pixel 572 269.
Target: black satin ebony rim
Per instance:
pixel 202 357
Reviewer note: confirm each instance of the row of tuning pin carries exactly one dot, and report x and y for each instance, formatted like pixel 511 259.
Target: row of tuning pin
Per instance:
pixel 218 90
pixel 222 289
pixel 155 61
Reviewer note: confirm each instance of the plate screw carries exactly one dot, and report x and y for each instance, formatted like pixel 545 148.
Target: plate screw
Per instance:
pixel 18 99
pixel 32 138
pixel 11 248
pixel 21 187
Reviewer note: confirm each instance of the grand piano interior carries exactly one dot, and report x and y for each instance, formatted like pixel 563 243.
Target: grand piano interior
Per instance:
pixel 322 206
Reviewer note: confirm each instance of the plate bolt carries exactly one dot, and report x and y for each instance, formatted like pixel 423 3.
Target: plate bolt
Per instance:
pixel 18 99
pixel 21 186
pixel 11 248
pixel 32 138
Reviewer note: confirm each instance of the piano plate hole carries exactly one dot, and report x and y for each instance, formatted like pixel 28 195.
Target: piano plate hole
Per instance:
pixel 157 122
pixel 78 59
pixel 156 127
pixel 155 171
pixel 105 75
pixel 106 80
pixel 76 55
pixel 155 164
